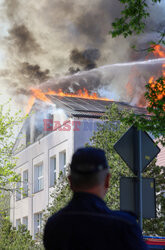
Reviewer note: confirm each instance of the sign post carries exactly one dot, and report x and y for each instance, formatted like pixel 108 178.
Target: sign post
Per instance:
pixel 129 196
pixel 137 149
pixel 140 179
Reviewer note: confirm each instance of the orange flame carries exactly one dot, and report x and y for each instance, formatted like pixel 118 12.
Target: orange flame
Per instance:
pixel 30 103
pixel 159 52
pixel 80 93
pixel 39 94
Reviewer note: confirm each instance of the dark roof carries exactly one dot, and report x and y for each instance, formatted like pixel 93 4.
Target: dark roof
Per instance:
pixel 81 107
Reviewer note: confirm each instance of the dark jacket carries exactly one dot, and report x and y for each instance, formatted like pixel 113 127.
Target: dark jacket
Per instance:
pixel 86 223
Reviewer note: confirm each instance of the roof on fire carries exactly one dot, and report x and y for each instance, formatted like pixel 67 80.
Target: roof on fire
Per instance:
pixel 81 107
pixel 77 107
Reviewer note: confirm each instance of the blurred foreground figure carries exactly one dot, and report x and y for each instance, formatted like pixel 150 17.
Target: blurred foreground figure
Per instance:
pixel 86 223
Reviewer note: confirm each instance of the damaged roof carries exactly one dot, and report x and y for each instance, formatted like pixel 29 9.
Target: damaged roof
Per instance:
pixel 81 107
pixel 73 107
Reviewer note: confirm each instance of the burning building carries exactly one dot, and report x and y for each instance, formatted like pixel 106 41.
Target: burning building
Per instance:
pixel 61 121
pixel 57 47
pixel 49 136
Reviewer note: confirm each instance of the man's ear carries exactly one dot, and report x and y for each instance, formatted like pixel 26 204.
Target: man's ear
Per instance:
pixel 107 181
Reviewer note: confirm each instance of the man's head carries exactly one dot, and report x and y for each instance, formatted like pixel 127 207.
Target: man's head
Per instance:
pixel 89 171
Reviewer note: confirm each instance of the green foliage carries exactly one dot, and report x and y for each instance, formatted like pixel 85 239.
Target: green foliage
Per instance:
pixel 8 125
pixel 132 21
pixel 154 121
pixel 60 197
pixel 12 239
pixel 107 135
pixel 112 127
pixel 133 17
pixel 4 203
pixel 156 226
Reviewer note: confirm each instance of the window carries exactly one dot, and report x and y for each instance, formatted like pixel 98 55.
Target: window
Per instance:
pixel 18 223
pixel 18 191
pixel 53 171
pixel 25 184
pixel 63 161
pixel 38 178
pixel 37 223
pixel 25 221
pixel 38 130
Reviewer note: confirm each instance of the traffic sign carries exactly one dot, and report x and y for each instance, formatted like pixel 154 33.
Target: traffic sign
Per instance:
pixel 127 148
pixel 137 149
pixel 129 196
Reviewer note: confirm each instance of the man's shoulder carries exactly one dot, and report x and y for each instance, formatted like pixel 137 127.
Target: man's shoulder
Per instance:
pixel 120 217
pixel 126 216
pixel 56 215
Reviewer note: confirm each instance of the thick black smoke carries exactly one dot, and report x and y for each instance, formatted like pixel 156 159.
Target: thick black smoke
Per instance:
pixel 34 72
pixel 86 58
pixel 23 40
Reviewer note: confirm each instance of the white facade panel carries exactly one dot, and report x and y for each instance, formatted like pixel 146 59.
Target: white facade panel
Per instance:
pixel 39 153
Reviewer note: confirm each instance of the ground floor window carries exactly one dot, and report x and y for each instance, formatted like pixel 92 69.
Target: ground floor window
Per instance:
pixel 25 221
pixel 53 171
pixel 18 223
pixel 38 178
pixel 37 223
pixel 62 158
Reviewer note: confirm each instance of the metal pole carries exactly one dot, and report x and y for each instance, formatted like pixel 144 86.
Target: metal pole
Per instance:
pixel 140 179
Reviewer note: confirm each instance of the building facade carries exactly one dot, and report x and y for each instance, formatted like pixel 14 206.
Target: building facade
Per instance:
pixel 41 159
pixel 44 148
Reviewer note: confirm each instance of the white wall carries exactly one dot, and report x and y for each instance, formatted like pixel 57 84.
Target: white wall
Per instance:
pixel 38 152
pixel 41 151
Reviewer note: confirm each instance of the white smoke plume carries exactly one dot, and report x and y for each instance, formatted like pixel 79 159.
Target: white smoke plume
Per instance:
pixel 45 40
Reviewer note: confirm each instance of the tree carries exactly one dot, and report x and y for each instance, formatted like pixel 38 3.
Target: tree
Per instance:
pixel 8 127
pixel 109 131
pixel 154 121
pixel 133 19
pixel 156 226
pixel 107 135
pixel 60 197
pixel 12 239
pixel 114 126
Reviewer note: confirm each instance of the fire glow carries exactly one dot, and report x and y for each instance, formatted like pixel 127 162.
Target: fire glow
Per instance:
pixel 39 94
pixel 158 52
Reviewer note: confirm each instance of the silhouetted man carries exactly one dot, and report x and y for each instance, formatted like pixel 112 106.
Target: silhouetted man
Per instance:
pixel 86 223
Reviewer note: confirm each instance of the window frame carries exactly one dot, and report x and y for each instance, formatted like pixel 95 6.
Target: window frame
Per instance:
pixel 52 171
pixel 26 224
pixel 64 163
pixel 39 179
pixel 62 158
pixel 18 192
pixel 38 222
pixel 25 184
pixel 17 224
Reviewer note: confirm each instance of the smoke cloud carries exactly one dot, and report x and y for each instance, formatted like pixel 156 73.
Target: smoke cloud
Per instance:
pixel 23 40
pixel 86 58
pixel 45 41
